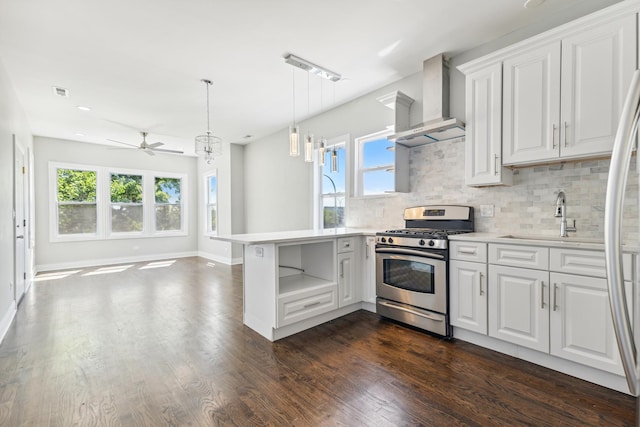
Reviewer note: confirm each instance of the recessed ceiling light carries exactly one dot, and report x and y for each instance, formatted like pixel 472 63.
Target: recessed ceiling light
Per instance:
pixel 83 108
pixel 247 136
pixel 529 4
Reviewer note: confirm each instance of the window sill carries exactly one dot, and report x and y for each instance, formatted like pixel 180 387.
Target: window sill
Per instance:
pixel 377 196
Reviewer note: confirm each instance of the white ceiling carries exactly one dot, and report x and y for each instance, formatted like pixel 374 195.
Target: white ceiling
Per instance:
pixel 138 63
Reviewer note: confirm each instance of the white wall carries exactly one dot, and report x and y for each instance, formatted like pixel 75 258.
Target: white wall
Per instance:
pixel 12 122
pixel 229 171
pixel 57 255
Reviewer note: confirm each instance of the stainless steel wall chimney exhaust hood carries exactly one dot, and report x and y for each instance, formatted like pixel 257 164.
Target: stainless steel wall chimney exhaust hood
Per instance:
pixel 437 125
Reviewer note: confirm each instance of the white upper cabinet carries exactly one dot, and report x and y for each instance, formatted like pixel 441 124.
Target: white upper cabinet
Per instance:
pixel 597 66
pixel 484 128
pixel 563 100
pixel 531 105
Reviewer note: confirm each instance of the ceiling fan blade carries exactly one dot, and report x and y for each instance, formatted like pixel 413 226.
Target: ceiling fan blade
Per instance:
pixel 125 143
pixel 165 150
pixel 149 152
pixel 155 145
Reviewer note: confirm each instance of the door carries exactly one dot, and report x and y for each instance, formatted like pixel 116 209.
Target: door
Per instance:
pixel 518 306
pixel 20 222
pixel 468 295
pixel 484 128
pixel 581 323
pixel 597 66
pixel 531 105
pixel 347 289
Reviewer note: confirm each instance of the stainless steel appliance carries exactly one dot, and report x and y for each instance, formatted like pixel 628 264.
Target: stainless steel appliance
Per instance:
pixel 618 171
pixel 412 282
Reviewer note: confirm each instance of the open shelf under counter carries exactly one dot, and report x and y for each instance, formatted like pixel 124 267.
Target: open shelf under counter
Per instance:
pixel 300 282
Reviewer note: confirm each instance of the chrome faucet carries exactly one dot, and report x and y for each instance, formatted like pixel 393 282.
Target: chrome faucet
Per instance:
pixel 561 212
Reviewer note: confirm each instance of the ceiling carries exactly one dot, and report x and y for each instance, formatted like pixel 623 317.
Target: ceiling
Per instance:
pixel 138 64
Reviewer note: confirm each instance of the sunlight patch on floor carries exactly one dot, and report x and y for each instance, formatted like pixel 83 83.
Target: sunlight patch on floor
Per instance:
pixel 158 264
pixel 109 270
pixel 56 275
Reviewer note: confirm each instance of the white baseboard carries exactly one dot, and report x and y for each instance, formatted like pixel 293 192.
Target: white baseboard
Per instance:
pixel 111 261
pixel 220 259
pixel 6 320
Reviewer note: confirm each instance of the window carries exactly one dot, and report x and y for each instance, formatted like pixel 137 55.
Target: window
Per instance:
pixel 375 164
pixel 168 205
pixel 127 209
pixel 93 203
pixel 331 187
pixel 76 202
pixel 211 201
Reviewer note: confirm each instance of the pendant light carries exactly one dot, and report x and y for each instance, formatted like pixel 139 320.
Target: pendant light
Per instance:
pixel 321 151
pixel 334 160
pixel 294 132
pixel 208 144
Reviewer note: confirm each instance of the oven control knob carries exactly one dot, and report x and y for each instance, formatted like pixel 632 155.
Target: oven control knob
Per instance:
pixel 431 243
pixel 383 240
pixel 421 242
pixel 390 240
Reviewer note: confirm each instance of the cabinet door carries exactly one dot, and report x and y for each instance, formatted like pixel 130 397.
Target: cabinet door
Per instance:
pixel 484 128
pixel 468 295
pixel 597 65
pixel 531 105
pixel 518 306
pixel 581 324
pixel 348 291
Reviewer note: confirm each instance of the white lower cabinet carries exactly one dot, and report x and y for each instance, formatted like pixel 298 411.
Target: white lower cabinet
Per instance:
pixel 581 325
pixel 468 295
pixel 303 304
pixel 518 306
pixel 369 270
pixel 347 285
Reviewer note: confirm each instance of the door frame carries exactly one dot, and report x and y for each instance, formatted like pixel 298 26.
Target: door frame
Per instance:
pixel 20 199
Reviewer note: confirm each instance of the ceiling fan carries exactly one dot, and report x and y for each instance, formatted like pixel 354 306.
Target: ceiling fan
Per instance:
pixel 148 148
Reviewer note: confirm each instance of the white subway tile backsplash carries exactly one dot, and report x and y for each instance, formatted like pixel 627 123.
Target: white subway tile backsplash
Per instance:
pixel 527 207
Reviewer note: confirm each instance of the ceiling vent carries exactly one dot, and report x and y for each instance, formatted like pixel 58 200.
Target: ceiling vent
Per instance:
pixel 60 91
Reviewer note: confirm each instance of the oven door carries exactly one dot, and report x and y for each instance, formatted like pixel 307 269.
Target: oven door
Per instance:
pixel 412 277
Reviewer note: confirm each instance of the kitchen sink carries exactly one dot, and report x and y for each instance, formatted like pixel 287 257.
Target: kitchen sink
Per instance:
pixel 551 239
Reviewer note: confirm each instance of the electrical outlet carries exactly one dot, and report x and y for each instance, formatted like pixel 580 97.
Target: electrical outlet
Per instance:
pixel 259 251
pixel 486 210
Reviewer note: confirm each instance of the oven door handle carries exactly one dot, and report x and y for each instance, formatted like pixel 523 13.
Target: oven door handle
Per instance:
pixel 408 310
pixel 402 251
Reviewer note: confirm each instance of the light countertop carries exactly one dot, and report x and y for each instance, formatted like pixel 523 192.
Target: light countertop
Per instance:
pixel 293 236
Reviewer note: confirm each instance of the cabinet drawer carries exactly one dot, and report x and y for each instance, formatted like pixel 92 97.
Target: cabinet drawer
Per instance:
pixel 585 263
pixel 346 244
pixel 296 306
pixel 536 257
pixel 468 251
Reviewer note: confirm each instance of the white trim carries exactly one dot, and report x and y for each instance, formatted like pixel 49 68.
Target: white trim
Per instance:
pixel 221 259
pixel 205 177
pixel 111 261
pixel 7 319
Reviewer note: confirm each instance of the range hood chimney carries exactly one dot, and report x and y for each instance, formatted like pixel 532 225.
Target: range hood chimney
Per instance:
pixel 437 125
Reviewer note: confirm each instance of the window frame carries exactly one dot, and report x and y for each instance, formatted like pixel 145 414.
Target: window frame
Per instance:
pixel 360 171
pixel 318 204
pixel 207 203
pixel 103 203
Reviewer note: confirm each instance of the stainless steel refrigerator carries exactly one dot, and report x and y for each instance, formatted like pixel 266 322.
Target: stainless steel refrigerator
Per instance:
pixel 618 173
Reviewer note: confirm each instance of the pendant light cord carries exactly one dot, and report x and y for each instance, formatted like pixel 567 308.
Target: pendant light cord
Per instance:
pixel 208 83
pixel 293 92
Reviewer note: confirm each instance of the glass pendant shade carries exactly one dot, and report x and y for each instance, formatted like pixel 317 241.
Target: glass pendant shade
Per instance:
pixel 294 141
pixel 209 145
pixel 308 148
pixel 334 161
pixel 321 152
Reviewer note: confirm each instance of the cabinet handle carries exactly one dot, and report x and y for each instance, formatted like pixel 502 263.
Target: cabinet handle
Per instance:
pixel 542 294
pixel 342 269
pixel 565 133
pixel 470 251
pixel 480 277
pixel 366 252
pixel 555 296
pixel 495 164
pixel 311 304
pixel 553 135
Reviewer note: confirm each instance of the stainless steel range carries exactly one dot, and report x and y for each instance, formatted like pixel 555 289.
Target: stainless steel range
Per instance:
pixel 412 279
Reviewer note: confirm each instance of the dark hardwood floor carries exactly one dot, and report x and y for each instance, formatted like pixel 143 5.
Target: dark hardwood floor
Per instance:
pixel 163 343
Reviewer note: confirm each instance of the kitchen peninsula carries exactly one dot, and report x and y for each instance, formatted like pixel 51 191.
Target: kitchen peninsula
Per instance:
pixel 295 280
